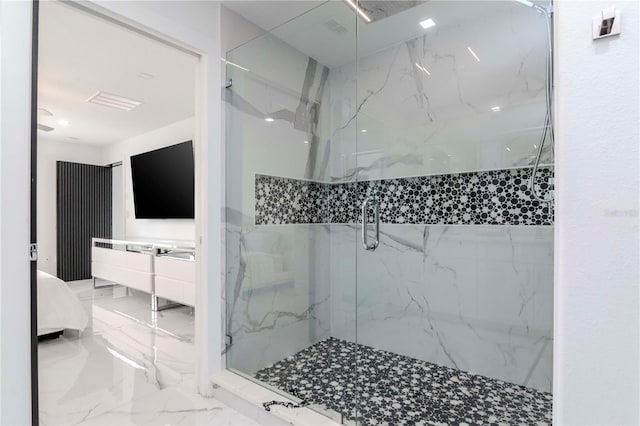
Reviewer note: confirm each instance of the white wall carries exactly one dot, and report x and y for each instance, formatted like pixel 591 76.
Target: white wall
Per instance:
pixel 48 153
pixel 597 299
pixel 235 30
pixel 15 101
pixel 166 229
pixel 51 151
pixel 117 203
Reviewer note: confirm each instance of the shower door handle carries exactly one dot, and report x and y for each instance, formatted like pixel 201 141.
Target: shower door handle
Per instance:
pixel 376 213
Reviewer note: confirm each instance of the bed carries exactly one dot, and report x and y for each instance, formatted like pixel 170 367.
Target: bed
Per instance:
pixel 58 307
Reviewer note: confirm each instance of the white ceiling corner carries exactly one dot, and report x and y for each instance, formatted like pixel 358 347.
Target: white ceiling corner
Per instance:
pixel 80 54
pixel 269 14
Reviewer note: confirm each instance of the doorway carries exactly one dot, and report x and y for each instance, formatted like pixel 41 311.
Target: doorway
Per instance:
pixel 107 93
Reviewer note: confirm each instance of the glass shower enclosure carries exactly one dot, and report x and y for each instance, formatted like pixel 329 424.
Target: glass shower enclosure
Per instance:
pixel 387 261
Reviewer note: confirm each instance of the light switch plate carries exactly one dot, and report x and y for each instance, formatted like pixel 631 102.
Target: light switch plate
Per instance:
pixel 597 25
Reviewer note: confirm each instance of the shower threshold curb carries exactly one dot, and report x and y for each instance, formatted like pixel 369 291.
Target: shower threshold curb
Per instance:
pixel 247 397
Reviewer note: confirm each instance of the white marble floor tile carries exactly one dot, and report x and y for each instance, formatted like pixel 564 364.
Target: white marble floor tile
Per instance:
pixel 172 406
pixel 130 366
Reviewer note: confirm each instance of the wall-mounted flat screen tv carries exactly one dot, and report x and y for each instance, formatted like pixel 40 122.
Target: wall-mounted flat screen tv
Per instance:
pixel 163 183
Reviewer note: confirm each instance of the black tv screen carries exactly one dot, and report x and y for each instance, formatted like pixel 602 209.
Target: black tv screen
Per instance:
pixel 163 183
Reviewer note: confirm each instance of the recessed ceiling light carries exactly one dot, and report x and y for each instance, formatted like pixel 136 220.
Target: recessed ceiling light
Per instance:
pixel 496 109
pixel 334 26
pixel 306 142
pixel 427 23
pixel 364 130
pixel 269 119
pixel 508 149
pixel 357 9
pixel 423 69
pixel 63 123
pixel 146 76
pixel 473 53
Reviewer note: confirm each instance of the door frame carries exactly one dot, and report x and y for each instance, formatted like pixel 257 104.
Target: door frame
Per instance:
pixel 33 239
pixel 209 167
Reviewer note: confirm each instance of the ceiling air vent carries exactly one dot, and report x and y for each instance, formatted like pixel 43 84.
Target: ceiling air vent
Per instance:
pixel 113 101
pixel 334 26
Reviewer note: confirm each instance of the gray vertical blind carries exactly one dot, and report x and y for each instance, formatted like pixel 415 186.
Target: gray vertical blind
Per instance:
pixel 84 206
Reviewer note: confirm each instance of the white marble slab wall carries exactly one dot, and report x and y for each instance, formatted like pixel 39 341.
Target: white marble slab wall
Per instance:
pixel 410 123
pixel 277 110
pixel 277 291
pixel 475 298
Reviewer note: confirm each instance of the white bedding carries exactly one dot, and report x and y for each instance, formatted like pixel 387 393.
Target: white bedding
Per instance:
pixel 58 306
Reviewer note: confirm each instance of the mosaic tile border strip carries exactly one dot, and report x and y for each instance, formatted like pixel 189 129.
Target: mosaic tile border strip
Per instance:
pixel 384 388
pixel 289 201
pixel 495 197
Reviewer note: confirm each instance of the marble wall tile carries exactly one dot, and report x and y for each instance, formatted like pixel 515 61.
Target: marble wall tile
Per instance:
pixel 277 296
pixel 420 123
pixel 276 293
pixel 475 298
pixel 277 112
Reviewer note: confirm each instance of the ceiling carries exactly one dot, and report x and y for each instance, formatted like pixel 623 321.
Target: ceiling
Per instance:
pixel 80 54
pixel 268 14
pixel 313 32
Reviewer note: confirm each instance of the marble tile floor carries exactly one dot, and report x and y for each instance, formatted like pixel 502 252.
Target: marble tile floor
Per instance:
pixel 391 389
pixel 129 367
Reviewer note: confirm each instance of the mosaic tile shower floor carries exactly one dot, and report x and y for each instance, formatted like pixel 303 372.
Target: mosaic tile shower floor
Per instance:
pixel 398 390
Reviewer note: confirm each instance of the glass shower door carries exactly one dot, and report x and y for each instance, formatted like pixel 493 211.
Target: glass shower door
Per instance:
pixel 454 278
pixel 290 283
